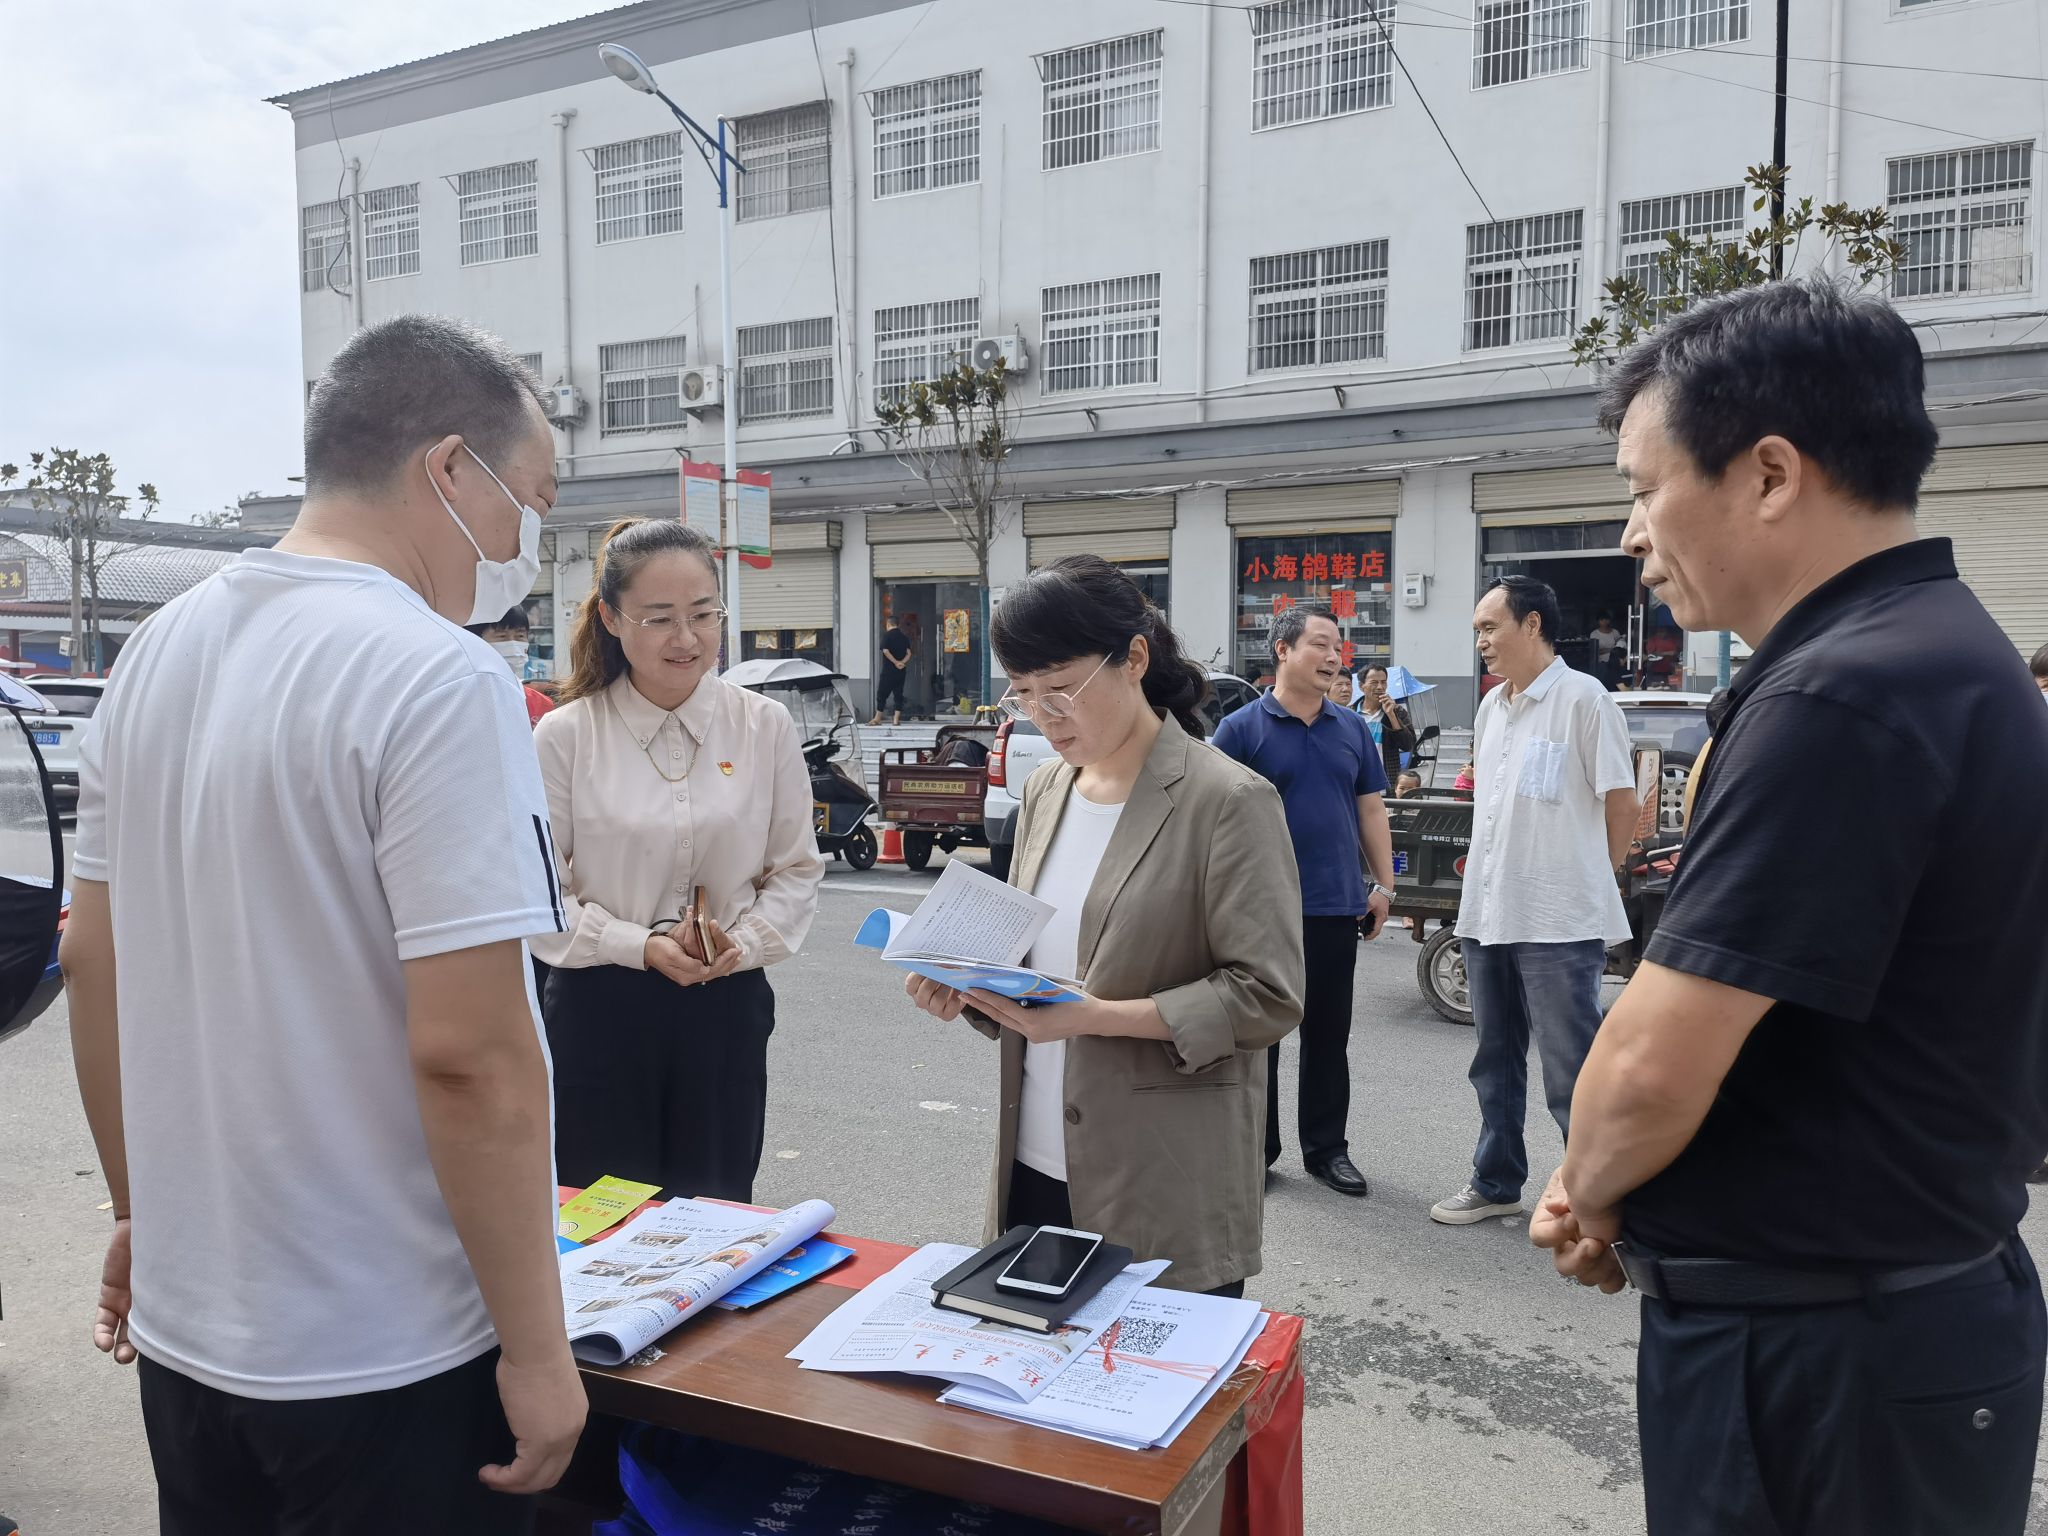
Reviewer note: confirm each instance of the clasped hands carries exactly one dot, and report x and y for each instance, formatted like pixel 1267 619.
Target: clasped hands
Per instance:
pixel 1581 1242
pixel 678 955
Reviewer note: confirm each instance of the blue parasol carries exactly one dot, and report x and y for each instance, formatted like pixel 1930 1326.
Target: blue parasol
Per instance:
pixel 1403 684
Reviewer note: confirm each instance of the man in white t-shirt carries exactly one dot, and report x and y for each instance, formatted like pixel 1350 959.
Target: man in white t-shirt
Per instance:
pixel 311 839
pixel 1553 812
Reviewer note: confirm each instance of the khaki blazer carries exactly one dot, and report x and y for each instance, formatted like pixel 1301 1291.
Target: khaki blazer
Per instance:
pixel 1196 905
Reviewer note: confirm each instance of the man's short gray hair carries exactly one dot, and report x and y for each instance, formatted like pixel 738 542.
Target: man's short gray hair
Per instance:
pixel 405 383
pixel 1290 626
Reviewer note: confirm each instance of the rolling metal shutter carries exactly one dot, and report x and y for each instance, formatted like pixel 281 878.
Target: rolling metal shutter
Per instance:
pixel 796 591
pixel 1591 493
pixel 1993 504
pixel 1356 506
pixel 907 546
pixel 1135 530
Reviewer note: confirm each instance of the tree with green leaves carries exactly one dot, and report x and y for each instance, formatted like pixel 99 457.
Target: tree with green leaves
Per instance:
pixel 1689 270
pixel 955 433
pixel 75 492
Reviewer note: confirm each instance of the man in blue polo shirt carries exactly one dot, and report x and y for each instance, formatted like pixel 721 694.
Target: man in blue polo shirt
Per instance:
pixel 1323 762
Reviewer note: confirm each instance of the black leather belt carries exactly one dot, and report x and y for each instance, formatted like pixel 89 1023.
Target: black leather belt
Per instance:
pixel 1737 1283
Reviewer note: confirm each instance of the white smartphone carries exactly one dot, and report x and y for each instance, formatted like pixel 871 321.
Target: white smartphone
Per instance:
pixel 1050 1263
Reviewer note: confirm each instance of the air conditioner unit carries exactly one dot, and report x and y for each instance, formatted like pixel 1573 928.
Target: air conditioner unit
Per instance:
pixel 565 404
pixel 702 389
pixel 1007 350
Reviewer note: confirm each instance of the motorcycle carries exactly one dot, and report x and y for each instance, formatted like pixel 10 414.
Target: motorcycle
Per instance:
pixel 842 809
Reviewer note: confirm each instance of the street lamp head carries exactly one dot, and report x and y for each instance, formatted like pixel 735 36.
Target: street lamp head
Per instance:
pixel 626 64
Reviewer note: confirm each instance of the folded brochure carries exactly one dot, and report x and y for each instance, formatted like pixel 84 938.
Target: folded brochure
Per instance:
pixel 622 1293
pixel 971 930
pixel 893 1326
pixel 601 1207
pixel 801 1264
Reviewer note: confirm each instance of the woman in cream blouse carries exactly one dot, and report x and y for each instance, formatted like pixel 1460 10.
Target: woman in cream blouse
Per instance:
pixel 662 779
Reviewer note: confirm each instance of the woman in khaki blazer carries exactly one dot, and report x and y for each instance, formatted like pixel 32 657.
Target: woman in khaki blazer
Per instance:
pixel 1138 1112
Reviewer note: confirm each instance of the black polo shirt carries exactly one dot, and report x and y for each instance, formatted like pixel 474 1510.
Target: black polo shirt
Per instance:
pixel 1869 847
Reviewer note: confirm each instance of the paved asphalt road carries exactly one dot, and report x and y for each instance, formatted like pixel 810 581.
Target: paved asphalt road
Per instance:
pixel 1455 1386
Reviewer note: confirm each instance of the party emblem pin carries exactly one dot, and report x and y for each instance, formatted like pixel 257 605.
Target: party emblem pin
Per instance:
pixel 726 769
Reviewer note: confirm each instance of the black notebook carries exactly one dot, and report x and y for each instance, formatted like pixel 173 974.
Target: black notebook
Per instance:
pixel 972 1287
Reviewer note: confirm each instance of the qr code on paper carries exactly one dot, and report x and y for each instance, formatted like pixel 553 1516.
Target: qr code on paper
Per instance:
pixel 1145 1336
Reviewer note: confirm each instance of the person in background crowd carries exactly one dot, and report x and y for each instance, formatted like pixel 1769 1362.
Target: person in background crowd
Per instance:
pixel 2039 666
pixel 311 836
pixel 1393 733
pixel 1464 782
pixel 1135 1112
pixel 1340 689
pixel 894 669
pixel 1608 650
pixel 663 781
pixel 1804 1129
pixel 509 637
pixel 1410 783
pixel 1321 759
pixel 1553 816
pixel 917 684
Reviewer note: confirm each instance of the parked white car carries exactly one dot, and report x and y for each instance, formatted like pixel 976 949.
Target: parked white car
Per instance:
pixel 1676 722
pixel 58 731
pixel 1021 746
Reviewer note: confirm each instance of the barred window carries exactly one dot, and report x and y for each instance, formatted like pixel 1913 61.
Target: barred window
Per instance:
pixel 1320 58
pixel 642 385
pixel 1522 279
pixel 391 232
pixel 1714 217
pixel 1670 26
pixel 1101 101
pixel 786 370
pixel 915 343
pixel 323 247
pixel 788 156
pixel 927 134
pixel 1323 306
pixel 639 187
pixel 1101 335
pixel 1963 217
pixel 1519 39
pixel 498 211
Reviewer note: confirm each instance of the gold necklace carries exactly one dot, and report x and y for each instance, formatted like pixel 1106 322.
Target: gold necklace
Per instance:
pixel 647 746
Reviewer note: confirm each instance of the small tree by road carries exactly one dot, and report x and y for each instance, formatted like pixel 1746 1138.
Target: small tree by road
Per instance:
pixel 75 492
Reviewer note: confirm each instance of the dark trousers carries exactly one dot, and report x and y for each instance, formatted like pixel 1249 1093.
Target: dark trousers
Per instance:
pixel 405 1459
pixel 1914 1415
pixel 1329 950
pixel 1039 1200
pixel 889 686
pixel 1553 992
pixel 658 1083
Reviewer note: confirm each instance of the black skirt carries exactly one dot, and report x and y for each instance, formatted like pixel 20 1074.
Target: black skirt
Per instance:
pixel 659 1083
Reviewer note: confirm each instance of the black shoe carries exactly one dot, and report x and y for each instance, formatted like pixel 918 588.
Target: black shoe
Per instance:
pixel 1342 1175
pixel 2039 1175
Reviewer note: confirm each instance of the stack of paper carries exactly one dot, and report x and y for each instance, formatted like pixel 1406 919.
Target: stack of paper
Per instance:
pixel 893 1326
pixel 1142 1380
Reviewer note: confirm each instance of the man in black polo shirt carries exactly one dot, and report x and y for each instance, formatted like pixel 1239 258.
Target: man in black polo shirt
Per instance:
pixel 1803 1130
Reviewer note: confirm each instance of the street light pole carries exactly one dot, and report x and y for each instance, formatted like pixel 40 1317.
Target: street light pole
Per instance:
pixel 718 156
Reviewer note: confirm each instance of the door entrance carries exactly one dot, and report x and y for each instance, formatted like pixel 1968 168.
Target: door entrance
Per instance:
pixel 1610 628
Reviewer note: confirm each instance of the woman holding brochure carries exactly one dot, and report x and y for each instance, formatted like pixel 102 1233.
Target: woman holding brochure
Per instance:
pixel 1138 1111
pixel 681 811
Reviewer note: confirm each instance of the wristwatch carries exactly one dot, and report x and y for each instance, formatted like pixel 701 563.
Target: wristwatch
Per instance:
pixel 1374 888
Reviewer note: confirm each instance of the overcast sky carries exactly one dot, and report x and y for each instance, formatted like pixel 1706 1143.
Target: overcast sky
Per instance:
pixel 149 302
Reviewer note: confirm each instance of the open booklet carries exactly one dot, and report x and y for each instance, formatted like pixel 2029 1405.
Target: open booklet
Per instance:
pixel 893 1326
pixel 623 1293
pixel 971 930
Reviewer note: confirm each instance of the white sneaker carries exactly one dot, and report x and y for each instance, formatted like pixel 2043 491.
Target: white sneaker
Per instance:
pixel 1468 1206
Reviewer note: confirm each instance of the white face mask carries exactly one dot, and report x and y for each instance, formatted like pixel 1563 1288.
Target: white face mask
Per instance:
pixel 514 652
pixel 500 584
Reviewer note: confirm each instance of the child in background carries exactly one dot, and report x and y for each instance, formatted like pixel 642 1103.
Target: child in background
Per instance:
pixel 1409 783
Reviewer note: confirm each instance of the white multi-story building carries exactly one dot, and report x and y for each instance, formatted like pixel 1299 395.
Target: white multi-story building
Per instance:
pixel 1282 342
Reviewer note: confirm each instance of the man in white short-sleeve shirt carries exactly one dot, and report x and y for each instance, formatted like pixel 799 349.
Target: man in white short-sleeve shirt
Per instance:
pixel 1553 812
pixel 312 836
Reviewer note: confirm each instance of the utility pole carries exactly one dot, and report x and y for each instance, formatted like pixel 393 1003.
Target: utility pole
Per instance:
pixel 77 598
pixel 1778 130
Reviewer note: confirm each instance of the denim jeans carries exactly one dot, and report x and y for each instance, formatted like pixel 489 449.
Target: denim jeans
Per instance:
pixel 1553 992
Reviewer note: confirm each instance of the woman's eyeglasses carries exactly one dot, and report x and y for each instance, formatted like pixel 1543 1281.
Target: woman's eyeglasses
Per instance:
pixel 665 626
pixel 1048 706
